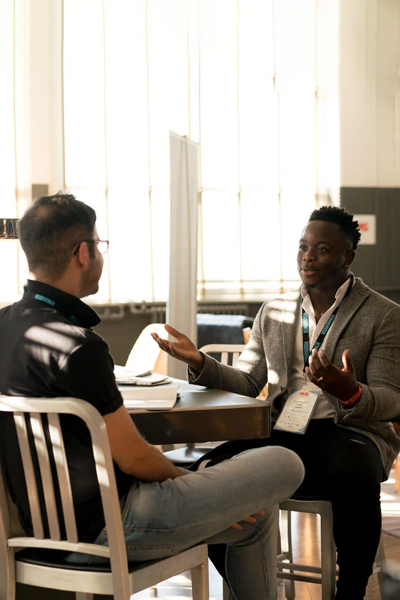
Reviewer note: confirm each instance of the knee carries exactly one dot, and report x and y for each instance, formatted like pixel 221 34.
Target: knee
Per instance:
pixel 285 464
pixel 292 468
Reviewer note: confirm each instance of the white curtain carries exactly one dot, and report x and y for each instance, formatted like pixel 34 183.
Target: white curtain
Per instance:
pixel 13 143
pixel 254 82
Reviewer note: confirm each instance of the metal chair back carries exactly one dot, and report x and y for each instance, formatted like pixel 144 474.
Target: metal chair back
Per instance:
pixel 28 410
pixel 226 350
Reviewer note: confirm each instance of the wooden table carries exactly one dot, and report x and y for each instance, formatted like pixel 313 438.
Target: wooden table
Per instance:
pixel 205 415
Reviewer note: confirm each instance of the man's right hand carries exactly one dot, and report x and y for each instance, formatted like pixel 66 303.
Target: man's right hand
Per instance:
pixel 183 349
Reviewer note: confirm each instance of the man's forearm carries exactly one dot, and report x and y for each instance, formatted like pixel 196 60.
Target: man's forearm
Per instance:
pixel 151 465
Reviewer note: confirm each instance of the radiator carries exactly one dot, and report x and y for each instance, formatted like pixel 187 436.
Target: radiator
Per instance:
pixel 157 310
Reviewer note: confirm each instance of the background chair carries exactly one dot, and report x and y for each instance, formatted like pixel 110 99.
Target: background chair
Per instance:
pixel 326 573
pixel 39 564
pixel 146 354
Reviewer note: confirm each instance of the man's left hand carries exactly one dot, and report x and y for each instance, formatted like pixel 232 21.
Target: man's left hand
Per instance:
pixel 323 373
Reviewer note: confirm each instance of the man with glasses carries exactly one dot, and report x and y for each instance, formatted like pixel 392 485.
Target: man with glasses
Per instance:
pixel 48 348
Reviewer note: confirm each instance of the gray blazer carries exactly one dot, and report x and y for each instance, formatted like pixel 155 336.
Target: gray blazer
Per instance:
pixel 367 323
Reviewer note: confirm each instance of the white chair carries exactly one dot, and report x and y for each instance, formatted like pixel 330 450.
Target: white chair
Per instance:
pixel 190 453
pixel 146 354
pixel 117 578
pixel 229 352
pixel 326 573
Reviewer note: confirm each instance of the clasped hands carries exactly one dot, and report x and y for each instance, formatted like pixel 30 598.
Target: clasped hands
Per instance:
pixel 341 383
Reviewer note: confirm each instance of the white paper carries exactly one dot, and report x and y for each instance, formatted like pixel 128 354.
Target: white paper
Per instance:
pixel 125 376
pixel 149 398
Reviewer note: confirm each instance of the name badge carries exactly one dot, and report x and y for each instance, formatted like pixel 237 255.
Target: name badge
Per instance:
pixel 296 413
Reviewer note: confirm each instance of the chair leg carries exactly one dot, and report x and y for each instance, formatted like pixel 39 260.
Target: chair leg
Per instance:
pixel 328 556
pixel 200 586
pixel 289 584
pixel 226 591
pixel 286 534
pixel 380 565
pixel 7 577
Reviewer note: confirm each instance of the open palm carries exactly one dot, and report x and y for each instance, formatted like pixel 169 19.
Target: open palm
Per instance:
pixel 183 349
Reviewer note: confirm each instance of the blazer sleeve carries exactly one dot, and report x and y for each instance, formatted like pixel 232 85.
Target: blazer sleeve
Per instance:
pixel 248 377
pixel 380 399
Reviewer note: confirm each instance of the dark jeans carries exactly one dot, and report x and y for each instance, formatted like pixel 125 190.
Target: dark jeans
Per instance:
pixel 341 466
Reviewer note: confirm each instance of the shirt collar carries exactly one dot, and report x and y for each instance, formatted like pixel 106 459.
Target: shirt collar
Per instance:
pixel 340 294
pixel 69 305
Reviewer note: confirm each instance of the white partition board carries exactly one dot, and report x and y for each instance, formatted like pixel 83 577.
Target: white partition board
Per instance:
pixel 182 302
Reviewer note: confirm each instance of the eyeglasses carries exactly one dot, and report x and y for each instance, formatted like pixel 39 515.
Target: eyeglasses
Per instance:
pixel 102 245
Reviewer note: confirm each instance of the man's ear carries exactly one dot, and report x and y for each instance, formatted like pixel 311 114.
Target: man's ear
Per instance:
pixel 83 255
pixel 350 255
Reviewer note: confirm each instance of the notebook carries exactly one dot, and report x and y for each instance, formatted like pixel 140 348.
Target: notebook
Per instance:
pixel 149 398
pixel 125 376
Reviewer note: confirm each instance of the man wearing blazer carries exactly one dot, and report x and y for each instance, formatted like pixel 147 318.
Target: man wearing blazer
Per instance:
pixel 330 352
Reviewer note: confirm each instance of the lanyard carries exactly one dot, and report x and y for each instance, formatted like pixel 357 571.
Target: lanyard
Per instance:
pixel 54 305
pixel 324 331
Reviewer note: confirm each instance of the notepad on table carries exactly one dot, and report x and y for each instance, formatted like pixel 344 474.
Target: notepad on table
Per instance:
pixel 125 376
pixel 149 398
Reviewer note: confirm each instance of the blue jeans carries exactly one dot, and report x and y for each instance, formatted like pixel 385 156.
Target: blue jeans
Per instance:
pixel 162 519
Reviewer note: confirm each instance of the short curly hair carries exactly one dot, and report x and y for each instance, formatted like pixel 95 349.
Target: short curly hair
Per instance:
pixel 341 217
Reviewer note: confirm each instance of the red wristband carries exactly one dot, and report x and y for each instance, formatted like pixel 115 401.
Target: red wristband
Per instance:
pixel 354 397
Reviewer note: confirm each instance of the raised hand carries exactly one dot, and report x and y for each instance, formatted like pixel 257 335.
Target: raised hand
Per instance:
pixel 183 349
pixel 322 372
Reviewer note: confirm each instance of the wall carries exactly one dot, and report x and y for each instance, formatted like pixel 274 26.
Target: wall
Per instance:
pixel 378 265
pixel 369 92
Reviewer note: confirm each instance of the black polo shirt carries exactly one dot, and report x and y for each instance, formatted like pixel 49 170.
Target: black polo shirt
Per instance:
pixel 48 349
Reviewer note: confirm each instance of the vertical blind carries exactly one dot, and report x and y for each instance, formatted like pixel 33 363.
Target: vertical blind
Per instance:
pixel 253 81
pixel 13 193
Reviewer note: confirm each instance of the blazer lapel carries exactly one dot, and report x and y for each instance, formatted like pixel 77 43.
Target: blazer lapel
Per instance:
pixel 290 320
pixel 345 313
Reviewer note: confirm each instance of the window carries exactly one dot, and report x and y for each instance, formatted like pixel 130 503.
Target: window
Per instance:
pixel 244 80
pixel 253 81
pixel 13 263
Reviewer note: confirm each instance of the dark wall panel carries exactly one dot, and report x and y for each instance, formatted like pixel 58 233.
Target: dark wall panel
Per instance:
pixel 378 265
pixel 387 255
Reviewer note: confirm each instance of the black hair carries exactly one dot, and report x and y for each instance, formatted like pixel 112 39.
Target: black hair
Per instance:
pixel 51 228
pixel 341 217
